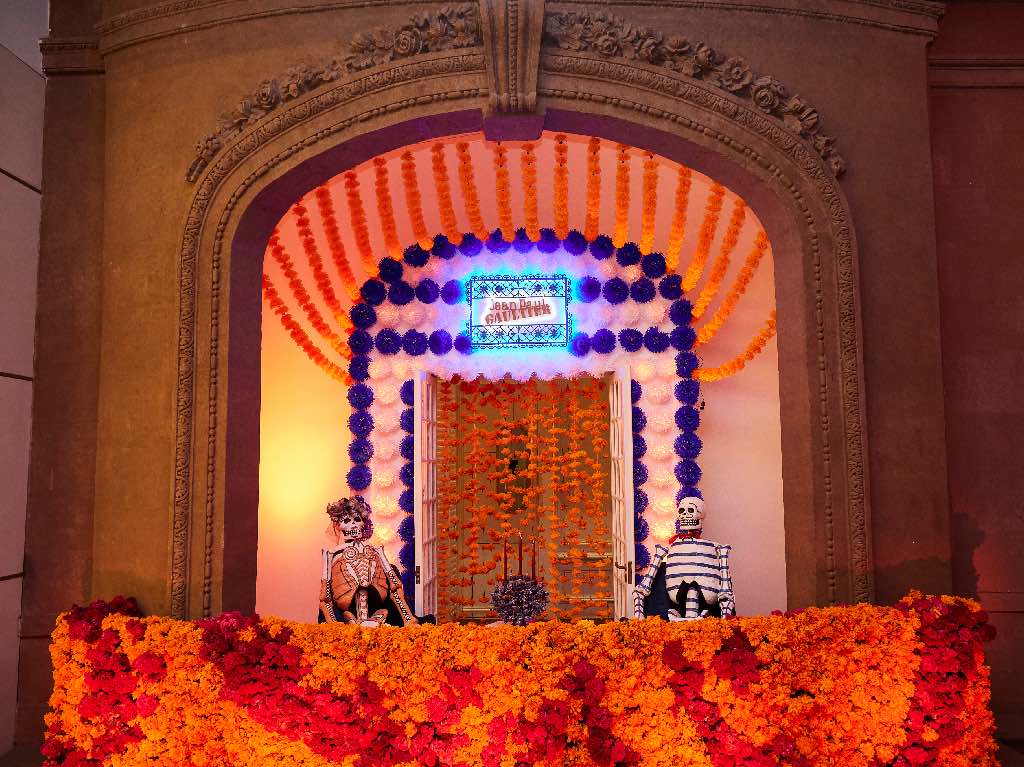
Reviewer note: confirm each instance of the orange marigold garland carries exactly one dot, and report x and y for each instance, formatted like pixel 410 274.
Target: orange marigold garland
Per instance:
pixel 330 223
pixel 528 168
pixel 592 223
pixel 503 192
pixel 470 197
pixel 560 194
pixel 739 287
pixel 678 230
pixel 712 210
pixel 299 335
pixel 414 201
pixel 650 203
pixel 733 366
pixel 357 218
pixel 721 264
pixel 323 281
pixel 445 208
pixel 620 234
pixel 385 209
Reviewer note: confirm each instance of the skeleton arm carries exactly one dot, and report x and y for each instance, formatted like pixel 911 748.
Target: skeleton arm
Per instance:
pixel 726 600
pixel 397 592
pixel 643 589
pixel 326 598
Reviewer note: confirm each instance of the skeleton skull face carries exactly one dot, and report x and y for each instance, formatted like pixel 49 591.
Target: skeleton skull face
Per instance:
pixel 350 519
pixel 689 515
pixel 351 524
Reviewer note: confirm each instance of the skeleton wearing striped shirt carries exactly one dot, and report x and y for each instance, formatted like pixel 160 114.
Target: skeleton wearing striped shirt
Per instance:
pixel 696 570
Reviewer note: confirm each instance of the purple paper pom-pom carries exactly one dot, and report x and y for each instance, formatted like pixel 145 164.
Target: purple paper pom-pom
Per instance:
pixel 628 254
pixel 442 247
pixel 407 474
pixel 643 557
pixel 407 558
pixel 390 269
pixel 388 341
pixel 575 243
pixel 360 396
pixel 407 447
pixel 682 337
pixel 440 342
pixel 687 418
pixel 497 243
pixel 407 530
pixel 655 340
pixel 416 256
pixel 640 500
pixel 686 363
pixel 641 529
pixel 406 420
pixel 406 501
pixel 548 242
pixel 639 419
pixel 688 492
pixel 400 293
pixel 360 342
pixel 602 247
pixel 687 472
pixel 360 423
pixel 580 344
pixel 519 599
pixel 374 292
pixel 653 265
pixel 639 446
pixel 363 316
pixel 681 312
pixel 359 367
pixel 451 292
pixel 631 339
pixel 407 393
pixel 615 291
pixel 642 290
pixel 640 473
pixel 590 289
pixel 470 245
pixel 360 450
pixel 688 445
pixel 688 391
pixel 522 243
pixel 671 287
pixel 427 291
pixel 414 343
pixel 603 341
pixel 462 344
pixel 359 477
pixel 636 391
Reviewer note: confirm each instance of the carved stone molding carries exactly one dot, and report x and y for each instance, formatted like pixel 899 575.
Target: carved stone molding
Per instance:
pixel 445 29
pixel 512 39
pixel 71 55
pixel 608 36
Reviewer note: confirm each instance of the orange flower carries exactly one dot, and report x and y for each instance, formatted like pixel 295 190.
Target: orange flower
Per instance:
pixel 721 265
pixel 755 347
pixel 592 224
pixel 620 234
pixel 414 201
pixel 739 287
pixel 709 225
pixel 650 203
pixel 449 225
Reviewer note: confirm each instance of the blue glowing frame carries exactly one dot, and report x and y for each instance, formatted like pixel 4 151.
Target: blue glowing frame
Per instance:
pixel 531 336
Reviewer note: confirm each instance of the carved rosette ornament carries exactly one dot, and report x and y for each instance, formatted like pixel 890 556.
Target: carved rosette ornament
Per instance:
pixel 447 28
pixel 609 36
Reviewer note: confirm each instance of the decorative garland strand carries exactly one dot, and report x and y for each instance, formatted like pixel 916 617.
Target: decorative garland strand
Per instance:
pixel 739 287
pixel 721 265
pixel 591 226
pixel 385 209
pixel 503 192
pixel 299 335
pixel 650 204
pixel 620 234
pixel 445 208
pixel 359 228
pixel 330 223
pixel 708 227
pixel 678 230
pixel 528 168
pixel 414 201
pixel 471 199
pixel 733 366
pixel 560 194
pixel 323 281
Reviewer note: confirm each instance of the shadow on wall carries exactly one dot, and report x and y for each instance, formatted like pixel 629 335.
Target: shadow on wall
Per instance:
pixel 968 538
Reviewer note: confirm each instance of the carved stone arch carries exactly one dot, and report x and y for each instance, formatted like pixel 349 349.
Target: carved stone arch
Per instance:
pixel 250 184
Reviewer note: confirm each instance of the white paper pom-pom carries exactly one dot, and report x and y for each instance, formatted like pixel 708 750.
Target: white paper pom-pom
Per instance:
pixel 379 369
pixel 631 273
pixel 660 452
pixel 401 367
pixel 387 315
pixel 381 534
pixel 386 422
pixel 658 393
pixel 411 315
pixel 384 451
pixel 643 372
pixel 662 531
pixel 664 506
pixel 667 366
pixel 385 507
pixel 608 268
pixel 386 395
pixel 629 314
pixel 655 312
pixel 662 423
pixel 664 479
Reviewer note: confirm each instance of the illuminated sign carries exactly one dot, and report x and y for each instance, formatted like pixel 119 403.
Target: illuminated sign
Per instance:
pixel 507 312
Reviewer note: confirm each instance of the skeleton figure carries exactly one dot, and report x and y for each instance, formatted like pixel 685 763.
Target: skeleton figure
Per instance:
pixel 690 578
pixel 358 584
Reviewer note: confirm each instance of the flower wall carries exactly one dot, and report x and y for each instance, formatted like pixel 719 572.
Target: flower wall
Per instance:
pixel 856 686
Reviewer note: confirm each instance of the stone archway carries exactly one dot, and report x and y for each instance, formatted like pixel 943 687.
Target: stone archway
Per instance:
pixel 282 154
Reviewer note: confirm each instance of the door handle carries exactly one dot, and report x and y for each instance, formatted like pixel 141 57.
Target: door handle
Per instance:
pixel 628 567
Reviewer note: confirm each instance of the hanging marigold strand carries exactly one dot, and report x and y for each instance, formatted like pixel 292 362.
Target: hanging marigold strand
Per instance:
pixel 678 230
pixel 470 196
pixel 414 201
pixel 528 167
pixel 445 208
pixel 650 204
pixel 592 224
pixel 620 234
pixel 560 195
pixel 280 255
pixel 712 210
pixel 503 191
pixel 337 247
pixel 733 366
pixel 357 218
pixel 323 281
pixel 298 335
pixel 721 265
pixel 739 287
pixel 385 209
